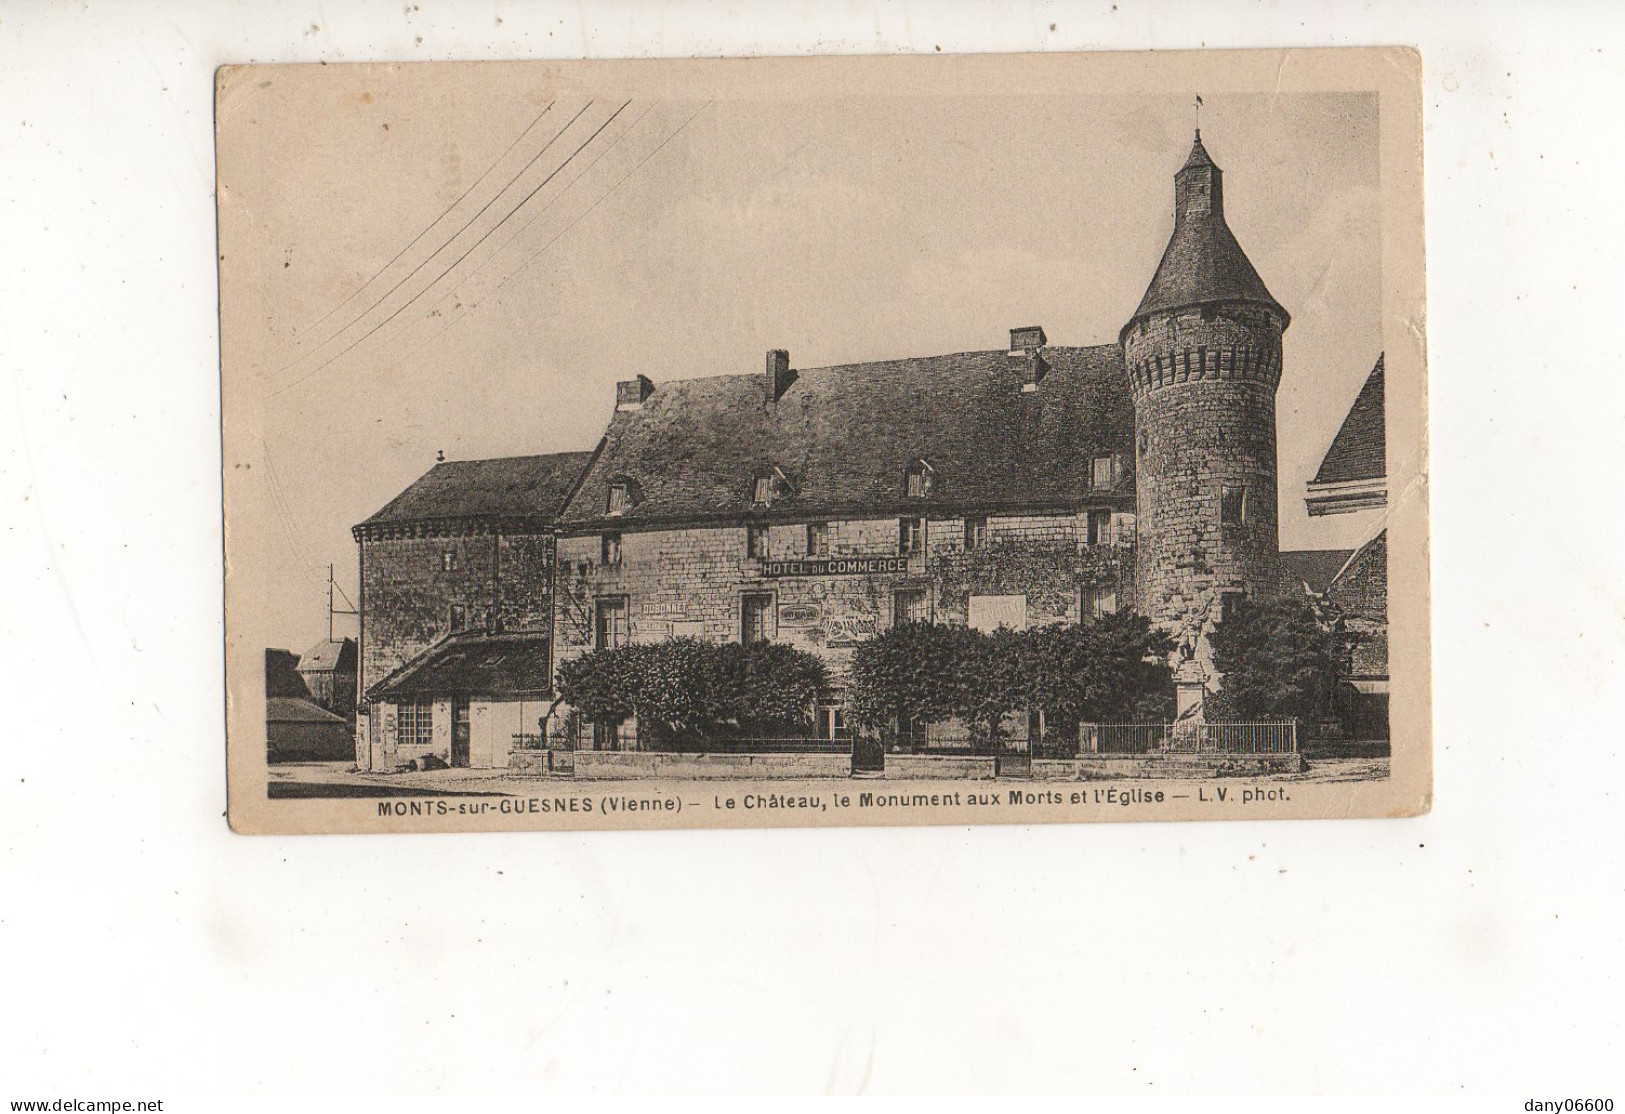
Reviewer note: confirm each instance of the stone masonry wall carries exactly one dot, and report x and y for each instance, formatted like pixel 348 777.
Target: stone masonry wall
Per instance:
pixel 1204 385
pixel 1361 594
pixel 408 591
pixel 691 581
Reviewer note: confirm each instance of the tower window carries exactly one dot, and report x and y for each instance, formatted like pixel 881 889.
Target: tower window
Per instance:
pixel 448 560
pixel 1100 527
pixel 457 617
pixel 975 532
pixel 818 539
pixel 756 540
pixel 1232 504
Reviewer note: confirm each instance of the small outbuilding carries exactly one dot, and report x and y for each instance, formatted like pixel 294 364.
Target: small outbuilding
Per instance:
pixel 299 731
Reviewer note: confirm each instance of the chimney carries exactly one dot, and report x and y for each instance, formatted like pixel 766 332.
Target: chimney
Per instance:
pixel 630 393
pixel 778 377
pixel 1027 338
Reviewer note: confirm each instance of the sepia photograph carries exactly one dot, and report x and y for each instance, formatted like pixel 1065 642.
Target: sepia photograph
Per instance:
pixel 685 443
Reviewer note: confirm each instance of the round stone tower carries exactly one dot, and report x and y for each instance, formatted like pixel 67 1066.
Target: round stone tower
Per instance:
pixel 1203 354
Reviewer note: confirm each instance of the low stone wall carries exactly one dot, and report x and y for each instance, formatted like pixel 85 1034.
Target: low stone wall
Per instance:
pixel 943 767
pixel 1101 767
pixel 605 765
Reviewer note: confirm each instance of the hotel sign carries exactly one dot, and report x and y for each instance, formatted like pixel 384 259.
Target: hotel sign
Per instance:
pixel 837 566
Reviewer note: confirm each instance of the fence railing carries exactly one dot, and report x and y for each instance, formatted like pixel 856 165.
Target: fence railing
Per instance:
pixel 1255 737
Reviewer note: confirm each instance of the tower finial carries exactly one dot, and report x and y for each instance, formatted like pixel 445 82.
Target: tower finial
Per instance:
pixel 1198 116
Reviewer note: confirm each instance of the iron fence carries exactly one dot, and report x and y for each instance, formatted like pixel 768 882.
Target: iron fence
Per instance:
pixel 1237 737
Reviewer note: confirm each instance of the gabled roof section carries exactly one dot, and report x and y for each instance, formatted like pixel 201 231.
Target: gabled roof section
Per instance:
pixel 288 709
pixel 327 655
pixel 1360 449
pixel 473 663
pixel 845 436
pixel 1203 262
pixel 511 487
pixel 1316 568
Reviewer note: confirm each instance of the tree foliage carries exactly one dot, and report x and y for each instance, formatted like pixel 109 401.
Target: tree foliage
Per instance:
pixel 686 688
pixel 1112 669
pixel 1277 659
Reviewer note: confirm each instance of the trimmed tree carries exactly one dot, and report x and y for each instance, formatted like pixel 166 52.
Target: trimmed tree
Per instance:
pixel 685 691
pixel 905 674
pixel 1277 659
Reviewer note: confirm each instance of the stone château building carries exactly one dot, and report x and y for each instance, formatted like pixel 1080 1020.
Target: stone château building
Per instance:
pixel 1020 485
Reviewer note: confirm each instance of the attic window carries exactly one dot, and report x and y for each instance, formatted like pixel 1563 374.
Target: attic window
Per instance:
pixel 620 498
pixel 1103 473
pixel 919 480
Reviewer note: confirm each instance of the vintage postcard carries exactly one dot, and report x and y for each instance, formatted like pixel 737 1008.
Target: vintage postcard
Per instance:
pixel 824 441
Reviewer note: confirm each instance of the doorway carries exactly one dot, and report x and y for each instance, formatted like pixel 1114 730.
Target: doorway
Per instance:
pixel 459 732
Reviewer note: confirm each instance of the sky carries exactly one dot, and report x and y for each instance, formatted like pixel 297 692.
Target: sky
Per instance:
pixel 688 236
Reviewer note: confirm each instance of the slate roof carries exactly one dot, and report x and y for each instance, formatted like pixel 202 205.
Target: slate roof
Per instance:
pixel 328 655
pixel 474 663
pixel 1360 449
pixel 526 487
pixel 288 709
pixel 1317 568
pixel 845 436
pixel 1203 262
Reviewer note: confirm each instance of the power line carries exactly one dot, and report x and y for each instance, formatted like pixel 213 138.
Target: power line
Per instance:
pixel 536 254
pixel 449 241
pixel 432 224
pixel 455 263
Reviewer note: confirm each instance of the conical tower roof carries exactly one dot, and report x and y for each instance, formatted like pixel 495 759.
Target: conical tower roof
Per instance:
pixel 1202 263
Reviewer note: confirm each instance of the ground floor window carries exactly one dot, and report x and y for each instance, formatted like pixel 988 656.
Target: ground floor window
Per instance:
pixel 415 724
pixel 757 621
pixel 909 606
pixel 1098 601
pixel 832 715
pixel 612 629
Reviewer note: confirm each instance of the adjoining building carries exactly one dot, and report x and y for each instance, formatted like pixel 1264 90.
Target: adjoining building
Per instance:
pixel 1023 485
pixel 298 730
pixel 1352 479
pixel 329 672
pixel 457 610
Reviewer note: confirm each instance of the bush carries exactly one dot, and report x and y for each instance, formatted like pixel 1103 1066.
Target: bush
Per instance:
pixel 687 689
pixel 1277 659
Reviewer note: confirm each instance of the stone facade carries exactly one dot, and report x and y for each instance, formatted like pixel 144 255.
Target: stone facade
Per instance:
pixel 1360 595
pixel 1025 570
pixel 413 579
pixel 1204 382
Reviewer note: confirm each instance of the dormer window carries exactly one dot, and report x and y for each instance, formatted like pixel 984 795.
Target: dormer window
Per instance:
pixel 1103 472
pixel 768 486
pixel 918 480
pixel 620 498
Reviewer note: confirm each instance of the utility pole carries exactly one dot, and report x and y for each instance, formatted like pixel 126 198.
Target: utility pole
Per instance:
pixel 331 611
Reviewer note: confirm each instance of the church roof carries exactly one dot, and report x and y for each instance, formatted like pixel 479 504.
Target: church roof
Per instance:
pixel 1203 262
pixel 844 437
pixel 523 487
pixel 1316 568
pixel 1360 449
